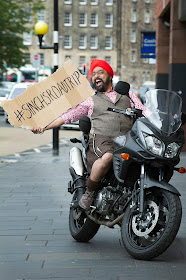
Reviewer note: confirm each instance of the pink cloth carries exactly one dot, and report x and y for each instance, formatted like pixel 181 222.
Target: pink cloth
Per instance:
pixel 85 108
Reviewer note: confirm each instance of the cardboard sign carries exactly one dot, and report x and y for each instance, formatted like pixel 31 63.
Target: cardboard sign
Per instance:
pixel 43 102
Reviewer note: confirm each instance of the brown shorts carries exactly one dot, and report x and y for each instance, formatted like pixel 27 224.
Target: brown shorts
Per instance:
pixel 98 146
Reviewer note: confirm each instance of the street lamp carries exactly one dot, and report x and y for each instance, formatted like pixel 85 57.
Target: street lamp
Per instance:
pixel 41 28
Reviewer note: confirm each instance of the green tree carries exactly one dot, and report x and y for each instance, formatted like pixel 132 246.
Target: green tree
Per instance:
pixel 15 18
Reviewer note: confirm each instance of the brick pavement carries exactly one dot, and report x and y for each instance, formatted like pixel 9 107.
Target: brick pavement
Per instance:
pixel 34 237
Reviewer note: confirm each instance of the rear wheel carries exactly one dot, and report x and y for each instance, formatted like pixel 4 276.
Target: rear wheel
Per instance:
pixel 81 227
pixel 149 236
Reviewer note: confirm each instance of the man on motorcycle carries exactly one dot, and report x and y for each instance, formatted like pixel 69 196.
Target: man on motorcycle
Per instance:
pixel 105 125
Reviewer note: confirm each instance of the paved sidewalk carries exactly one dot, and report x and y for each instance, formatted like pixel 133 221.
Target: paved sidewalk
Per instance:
pixel 35 242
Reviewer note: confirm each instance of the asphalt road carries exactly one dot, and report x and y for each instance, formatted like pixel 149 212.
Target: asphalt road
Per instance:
pixel 35 243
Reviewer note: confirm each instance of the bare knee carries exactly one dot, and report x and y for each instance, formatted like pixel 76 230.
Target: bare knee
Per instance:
pixel 106 159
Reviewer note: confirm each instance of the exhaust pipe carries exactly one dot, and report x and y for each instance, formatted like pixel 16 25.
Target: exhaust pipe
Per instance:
pixel 76 161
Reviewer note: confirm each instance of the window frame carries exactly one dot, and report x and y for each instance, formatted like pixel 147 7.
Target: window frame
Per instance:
pixel 70 19
pixel 96 42
pixel 27 38
pixel 110 19
pixel 109 3
pixel 85 20
pixel 96 20
pixel 70 41
pixel 110 47
pixel 85 42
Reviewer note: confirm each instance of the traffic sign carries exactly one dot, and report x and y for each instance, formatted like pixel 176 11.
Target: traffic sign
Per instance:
pixel 36 60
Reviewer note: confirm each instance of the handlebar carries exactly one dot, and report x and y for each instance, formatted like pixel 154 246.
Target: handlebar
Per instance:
pixel 134 113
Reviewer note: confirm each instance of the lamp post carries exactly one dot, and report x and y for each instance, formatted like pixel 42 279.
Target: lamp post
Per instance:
pixel 41 29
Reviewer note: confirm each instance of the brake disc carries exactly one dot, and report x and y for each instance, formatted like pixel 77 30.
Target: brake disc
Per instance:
pixel 143 226
pixel 77 213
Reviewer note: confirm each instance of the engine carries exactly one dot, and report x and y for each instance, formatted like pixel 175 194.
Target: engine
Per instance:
pixel 104 201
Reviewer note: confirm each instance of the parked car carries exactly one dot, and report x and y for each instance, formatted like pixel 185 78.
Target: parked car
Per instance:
pixel 4 93
pixel 17 89
pixel 7 84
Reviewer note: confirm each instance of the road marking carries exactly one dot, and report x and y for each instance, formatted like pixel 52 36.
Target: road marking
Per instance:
pixel 8 161
pixel 37 150
pixel 63 141
pixel 17 155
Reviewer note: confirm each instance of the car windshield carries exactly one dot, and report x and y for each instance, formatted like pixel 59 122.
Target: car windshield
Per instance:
pixel 17 91
pixel 164 110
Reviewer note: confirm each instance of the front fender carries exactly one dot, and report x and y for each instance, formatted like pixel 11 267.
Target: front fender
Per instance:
pixel 150 183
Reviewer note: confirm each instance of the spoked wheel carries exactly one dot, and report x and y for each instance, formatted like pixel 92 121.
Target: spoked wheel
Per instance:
pixel 149 236
pixel 81 227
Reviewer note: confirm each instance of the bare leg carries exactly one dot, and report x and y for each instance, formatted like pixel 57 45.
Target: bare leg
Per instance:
pixel 100 167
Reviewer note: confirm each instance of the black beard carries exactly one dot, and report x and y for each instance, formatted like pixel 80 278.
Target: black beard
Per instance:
pixel 101 88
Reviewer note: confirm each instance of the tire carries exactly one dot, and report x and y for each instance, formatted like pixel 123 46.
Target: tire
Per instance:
pixel 81 227
pixel 147 238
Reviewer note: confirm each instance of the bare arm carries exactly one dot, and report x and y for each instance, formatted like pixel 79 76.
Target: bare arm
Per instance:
pixel 56 123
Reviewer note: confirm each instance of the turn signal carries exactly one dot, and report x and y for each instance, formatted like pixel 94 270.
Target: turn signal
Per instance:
pixel 125 156
pixel 182 170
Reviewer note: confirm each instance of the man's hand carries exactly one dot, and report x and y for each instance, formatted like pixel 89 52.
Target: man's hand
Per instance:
pixel 38 130
pixel 56 123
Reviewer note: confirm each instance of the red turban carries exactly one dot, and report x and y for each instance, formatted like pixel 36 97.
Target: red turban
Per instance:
pixel 103 64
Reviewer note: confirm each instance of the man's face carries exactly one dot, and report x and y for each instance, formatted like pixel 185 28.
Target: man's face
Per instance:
pixel 101 80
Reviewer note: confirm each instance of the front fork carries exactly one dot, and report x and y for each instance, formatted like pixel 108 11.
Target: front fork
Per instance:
pixel 143 185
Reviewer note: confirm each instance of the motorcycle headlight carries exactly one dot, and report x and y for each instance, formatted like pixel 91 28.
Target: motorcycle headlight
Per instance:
pixel 172 150
pixel 154 145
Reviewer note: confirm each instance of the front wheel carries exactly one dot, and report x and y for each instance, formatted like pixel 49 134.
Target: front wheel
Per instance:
pixel 81 227
pixel 149 236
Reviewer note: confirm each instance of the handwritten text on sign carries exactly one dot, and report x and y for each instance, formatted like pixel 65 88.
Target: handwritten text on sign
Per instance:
pixel 43 102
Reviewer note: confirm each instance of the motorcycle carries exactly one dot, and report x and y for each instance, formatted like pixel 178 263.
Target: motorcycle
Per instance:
pixel 136 193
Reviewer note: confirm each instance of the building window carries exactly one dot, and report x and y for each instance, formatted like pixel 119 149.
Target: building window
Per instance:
pixel 68 2
pixel 82 2
pixel 94 2
pixel 82 60
pixel 134 0
pixel 82 19
pixel 28 11
pixel 147 16
pixel 94 20
pixel 134 16
pixel 133 36
pixel 133 56
pixel 143 77
pixel 42 59
pixel 145 60
pixel 108 20
pixel 82 41
pixel 93 42
pixel 27 38
pixel 41 15
pixel 108 59
pixel 148 76
pixel 67 57
pixel 27 58
pixel 67 42
pixel 147 1
pixel 93 57
pixel 108 43
pixel 68 19
pixel 109 2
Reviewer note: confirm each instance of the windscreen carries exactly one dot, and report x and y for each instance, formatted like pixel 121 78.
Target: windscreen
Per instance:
pixel 17 91
pixel 164 110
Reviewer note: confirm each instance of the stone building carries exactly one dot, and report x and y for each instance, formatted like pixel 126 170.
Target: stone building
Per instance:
pixel 104 29
pixel 137 17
